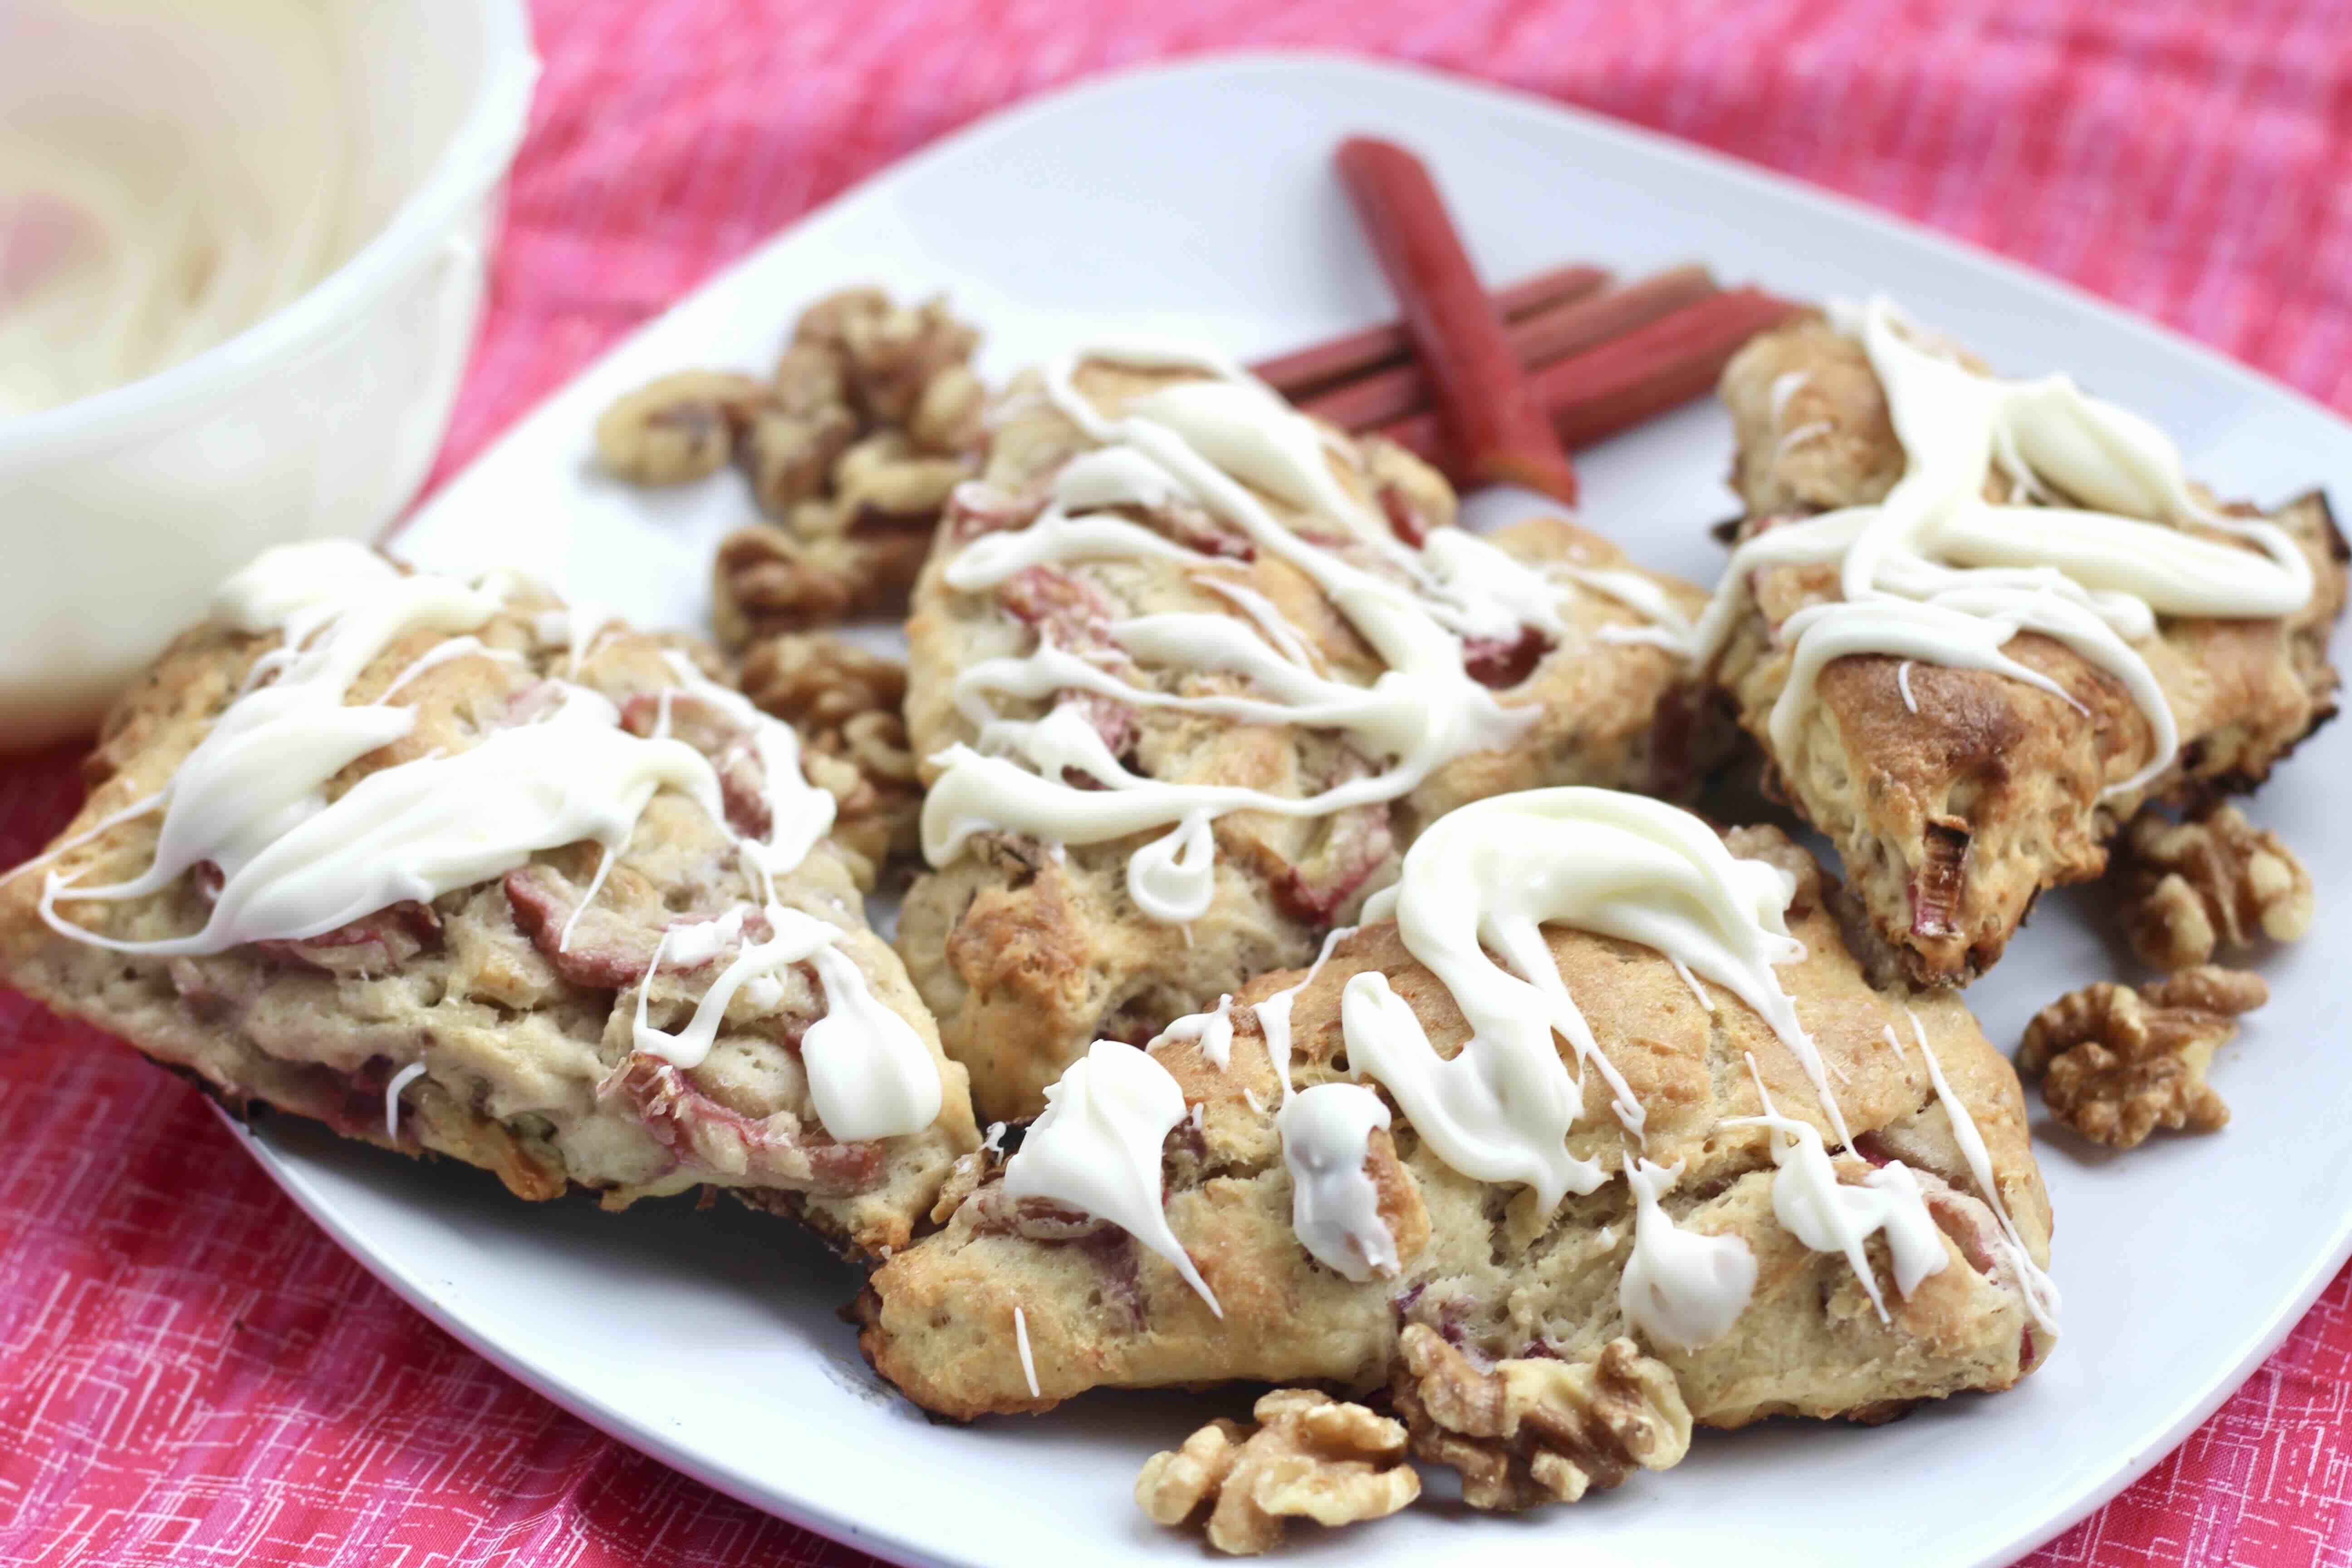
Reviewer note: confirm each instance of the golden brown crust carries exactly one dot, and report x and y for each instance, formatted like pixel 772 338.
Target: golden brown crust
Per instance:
pixel 1952 819
pixel 1027 956
pixel 1483 1269
pixel 526 1043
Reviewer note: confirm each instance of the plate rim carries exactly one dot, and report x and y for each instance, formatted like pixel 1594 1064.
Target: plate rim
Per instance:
pixel 2267 1331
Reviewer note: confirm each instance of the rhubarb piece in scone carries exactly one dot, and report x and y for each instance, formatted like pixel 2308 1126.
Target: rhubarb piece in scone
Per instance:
pixel 452 870
pixel 1975 625
pixel 1591 1074
pixel 1189 670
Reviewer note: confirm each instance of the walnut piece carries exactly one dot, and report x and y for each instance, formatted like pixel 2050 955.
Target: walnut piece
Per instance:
pixel 844 703
pixel 870 420
pixel 890 352
pixel 765 580
pixel 1534 1431
pixel 1310 1456
pixel 678 428
pixel 2116 1064
pixel 2208 884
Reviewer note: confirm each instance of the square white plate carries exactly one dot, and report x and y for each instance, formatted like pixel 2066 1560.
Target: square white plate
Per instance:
pixel 1198 198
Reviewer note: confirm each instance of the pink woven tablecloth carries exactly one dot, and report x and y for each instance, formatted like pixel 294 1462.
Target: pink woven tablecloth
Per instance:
pixel 190 1373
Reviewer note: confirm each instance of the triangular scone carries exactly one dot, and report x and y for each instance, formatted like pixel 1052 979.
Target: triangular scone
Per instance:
pixel 1957 793
pixel 1021 1303
pixel 1026 947
pixel 511 1047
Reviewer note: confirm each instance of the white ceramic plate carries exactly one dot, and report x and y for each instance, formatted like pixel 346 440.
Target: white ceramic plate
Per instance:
pixel 1198 198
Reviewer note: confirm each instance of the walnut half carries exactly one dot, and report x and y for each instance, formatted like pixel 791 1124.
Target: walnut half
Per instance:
pixel 2116 1063
pixel 1310 1456
pixel 1534 1431
pixel 2209 884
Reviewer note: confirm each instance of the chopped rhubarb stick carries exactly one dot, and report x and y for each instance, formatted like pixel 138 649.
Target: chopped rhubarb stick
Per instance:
pixel 1594 394
pixel 1490 413
pixel 1374 400
pixel 1302 372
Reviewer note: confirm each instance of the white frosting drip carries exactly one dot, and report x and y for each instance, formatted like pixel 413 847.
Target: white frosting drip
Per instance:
pixel 1669 627
pixel 1213 1030
pixel 2039 1291
pixel 1097 1148
pixel 1484 878
pixel 1827 1216
pixel 1937 573
pixel 1334 1207
pixel 1020 1344
pixel 400 1081
pixel 1220 444
pixel 1680 1288
pixel 1903 683
pixel 251 799
pixel 1274 1013
pixel 869 1074
pixel 1173 879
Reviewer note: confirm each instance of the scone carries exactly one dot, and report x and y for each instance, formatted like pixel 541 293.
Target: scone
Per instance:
pixel 1190 671
pixel 1975 624
pixel 451 870
pixel 1590 1072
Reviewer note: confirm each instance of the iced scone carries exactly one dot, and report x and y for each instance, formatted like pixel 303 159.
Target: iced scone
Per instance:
pixel 453 870
pixel 1975 624
pixel 1191 670
pixel 1592 1096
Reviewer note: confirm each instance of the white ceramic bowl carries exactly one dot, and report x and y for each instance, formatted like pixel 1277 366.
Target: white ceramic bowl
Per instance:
pixel 123 509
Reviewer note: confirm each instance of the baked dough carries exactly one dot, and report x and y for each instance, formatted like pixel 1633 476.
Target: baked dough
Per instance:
pixel 1952 819
pixel 529 1068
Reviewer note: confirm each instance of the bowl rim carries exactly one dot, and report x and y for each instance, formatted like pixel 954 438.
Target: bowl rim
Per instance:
pixel 474 157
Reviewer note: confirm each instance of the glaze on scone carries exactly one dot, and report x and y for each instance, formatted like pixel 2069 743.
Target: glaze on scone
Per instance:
pixel 1955 794
pixel 1486 1265
pixel 509 1050
pixel 1027 949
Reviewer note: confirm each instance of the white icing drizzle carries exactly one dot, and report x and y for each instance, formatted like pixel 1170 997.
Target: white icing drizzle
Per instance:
pixel 1213 1030
pixel 1484 878
pixel 2034 1285
pixel 1173 879
pixel 400 1081
pixel 1936 572
pixel 1020 1344
pixel 1219 444
pixel 1680 1288
pixel 1273 1012
pixel 1334 1207
pixel 1097 1148
pixel 1785 386
pixel 1792 439
pixel 250 799
pixel 1903 683
pixel 1896 1041
pixel 1828 1215
pixel 993 1143
pixel 869 1075
pixel 1668 627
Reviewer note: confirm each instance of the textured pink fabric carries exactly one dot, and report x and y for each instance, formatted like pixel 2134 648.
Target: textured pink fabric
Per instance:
pixel 190 1373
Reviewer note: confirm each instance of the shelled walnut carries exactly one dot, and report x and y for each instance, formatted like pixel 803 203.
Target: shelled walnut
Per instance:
pixel 845 704
pixel 1309 1457
pixel 2214 882
pixel 2116 1064
pixel 1534 1430
pixel 852 446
